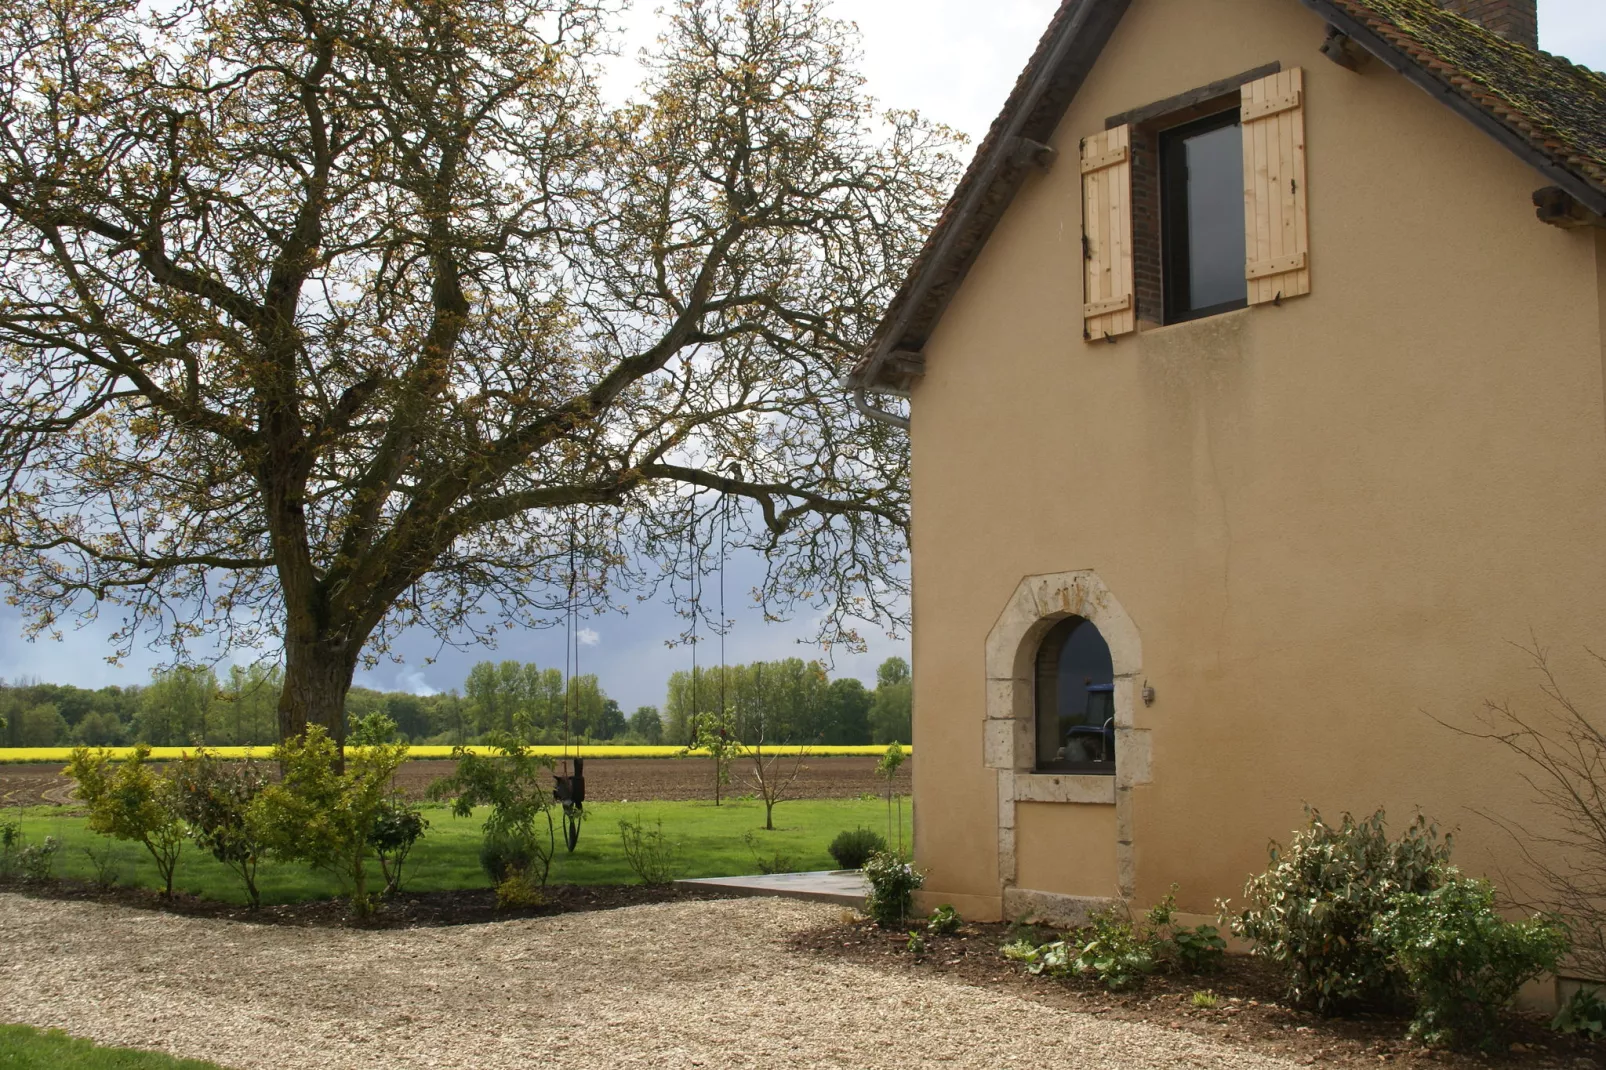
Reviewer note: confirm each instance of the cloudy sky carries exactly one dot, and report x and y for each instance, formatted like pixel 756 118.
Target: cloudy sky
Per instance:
pixel 940 57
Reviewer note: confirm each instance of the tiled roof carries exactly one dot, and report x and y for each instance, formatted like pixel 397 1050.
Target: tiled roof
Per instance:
pixel 1549 111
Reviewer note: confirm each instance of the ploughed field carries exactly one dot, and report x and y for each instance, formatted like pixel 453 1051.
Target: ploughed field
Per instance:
pixel 607 779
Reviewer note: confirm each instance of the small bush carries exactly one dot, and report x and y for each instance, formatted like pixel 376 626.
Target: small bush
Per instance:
pixel 504 853
pixel 11 841
pixel 916 945
pixel 397 827
pixel 36 860
pixel 517 891
pixel 1196 949
pixel 653 857
pixel 1117 953
pixel 1204 999
pixel 852 848
pixel 105 867
pixel 1114 952
pixel 1463 960
pixel 892 886
pixel 515 784
pixel 1583 1013
pixel 945 919
pixel 213 797
pixel 131 801
pixel 1313 909
pixel 324 817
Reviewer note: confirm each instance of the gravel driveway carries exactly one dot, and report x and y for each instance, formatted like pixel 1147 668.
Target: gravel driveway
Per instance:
pixel 676 985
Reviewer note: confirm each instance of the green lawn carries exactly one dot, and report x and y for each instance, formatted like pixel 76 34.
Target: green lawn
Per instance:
pixel 25 1048
pixel 711 838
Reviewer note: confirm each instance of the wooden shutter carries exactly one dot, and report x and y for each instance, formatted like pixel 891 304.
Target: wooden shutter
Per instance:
pixel 1277 238
pixel 1107 291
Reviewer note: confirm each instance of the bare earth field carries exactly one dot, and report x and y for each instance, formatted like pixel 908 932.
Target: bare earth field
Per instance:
pixel 676 985
pixel 607 779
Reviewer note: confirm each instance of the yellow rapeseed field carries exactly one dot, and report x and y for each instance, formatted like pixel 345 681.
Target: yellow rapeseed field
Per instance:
pixel 60 754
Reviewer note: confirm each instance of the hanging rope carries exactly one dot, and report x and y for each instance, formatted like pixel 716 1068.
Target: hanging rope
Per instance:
pixel 695 572
pixel 570 788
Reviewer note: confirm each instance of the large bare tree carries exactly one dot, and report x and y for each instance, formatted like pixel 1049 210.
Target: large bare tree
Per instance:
pixel 322 319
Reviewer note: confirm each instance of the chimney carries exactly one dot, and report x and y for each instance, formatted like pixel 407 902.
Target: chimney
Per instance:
pixel 1515 20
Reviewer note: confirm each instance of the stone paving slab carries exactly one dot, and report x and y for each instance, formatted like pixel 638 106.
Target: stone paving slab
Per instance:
pixel 844 886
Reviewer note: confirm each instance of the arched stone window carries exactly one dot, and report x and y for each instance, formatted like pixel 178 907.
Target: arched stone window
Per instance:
pixel 1075 700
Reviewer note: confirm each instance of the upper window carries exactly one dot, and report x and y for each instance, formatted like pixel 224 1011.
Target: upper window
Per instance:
pixel 1202 217
pixel 1075 700
pixel 1196 205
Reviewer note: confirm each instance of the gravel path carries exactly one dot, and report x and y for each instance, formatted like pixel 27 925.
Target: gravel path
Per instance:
pixel 677 985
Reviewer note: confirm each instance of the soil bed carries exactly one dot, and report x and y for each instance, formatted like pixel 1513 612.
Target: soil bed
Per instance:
pixel 1249 1011
pixel 607 779
pixel 467 906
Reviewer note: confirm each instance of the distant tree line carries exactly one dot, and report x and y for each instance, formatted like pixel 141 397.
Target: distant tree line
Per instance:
pixel 793 701
pixel 788 701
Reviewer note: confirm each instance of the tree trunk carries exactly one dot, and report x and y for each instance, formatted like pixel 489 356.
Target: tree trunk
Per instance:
pixel 317 675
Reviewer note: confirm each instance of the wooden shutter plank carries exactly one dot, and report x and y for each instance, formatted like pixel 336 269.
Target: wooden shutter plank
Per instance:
pixel 1276 225
pixel 1107 283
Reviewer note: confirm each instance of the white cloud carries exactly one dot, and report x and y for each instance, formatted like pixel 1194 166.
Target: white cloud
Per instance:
pixel 588 637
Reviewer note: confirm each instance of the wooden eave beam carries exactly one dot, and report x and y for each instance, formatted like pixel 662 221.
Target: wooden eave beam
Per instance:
pixel 1559 208
pixel 1341 50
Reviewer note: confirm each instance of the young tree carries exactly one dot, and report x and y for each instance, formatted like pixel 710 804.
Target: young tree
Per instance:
pixel 321 319
pixel 716 737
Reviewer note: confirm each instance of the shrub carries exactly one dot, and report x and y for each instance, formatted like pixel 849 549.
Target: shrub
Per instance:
pixel 916 945
pixel 771 861
pixel 396 828
pixel 653 857
pixel 519 833
pixel 1196 949
pixel 1204 999
pixel 852 848
pixel 213 797
pixel 104 865
pixel 1463 960
pixel 131 801
pixel 324 817
pixel 892 886
pixel 11 841
pixel 35 860
pixel 501 855
pixel 1114 952
pixel 516 891
pixel 1119 954
pixel 1584 1012
pixel 945 919
pixel 1313 909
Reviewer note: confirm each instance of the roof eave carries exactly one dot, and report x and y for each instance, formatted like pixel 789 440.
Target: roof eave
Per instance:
pixel 1080 40
pixel 1584 192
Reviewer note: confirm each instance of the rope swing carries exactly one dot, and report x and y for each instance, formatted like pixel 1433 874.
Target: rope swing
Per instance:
pixel 570 788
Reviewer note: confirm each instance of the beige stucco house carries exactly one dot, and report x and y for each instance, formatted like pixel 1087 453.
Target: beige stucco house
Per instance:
pixel 1256 412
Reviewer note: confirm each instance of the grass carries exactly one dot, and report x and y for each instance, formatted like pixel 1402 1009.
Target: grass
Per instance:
pixel 600 750
pixel 25 1048
pixel 712 844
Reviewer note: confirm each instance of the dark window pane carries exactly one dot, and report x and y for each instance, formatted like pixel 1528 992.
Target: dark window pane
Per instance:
pixel 1216 218
pixel 1202 217
pixel 1075 700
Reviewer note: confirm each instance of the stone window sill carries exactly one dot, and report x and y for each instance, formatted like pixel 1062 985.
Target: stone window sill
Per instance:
pixel 1086 788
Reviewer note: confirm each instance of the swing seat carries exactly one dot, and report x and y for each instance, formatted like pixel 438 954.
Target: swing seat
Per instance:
pixel 570 790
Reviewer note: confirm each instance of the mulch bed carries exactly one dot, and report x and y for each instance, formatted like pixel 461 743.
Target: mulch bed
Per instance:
pixel 428 909
pixel 1249 1011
